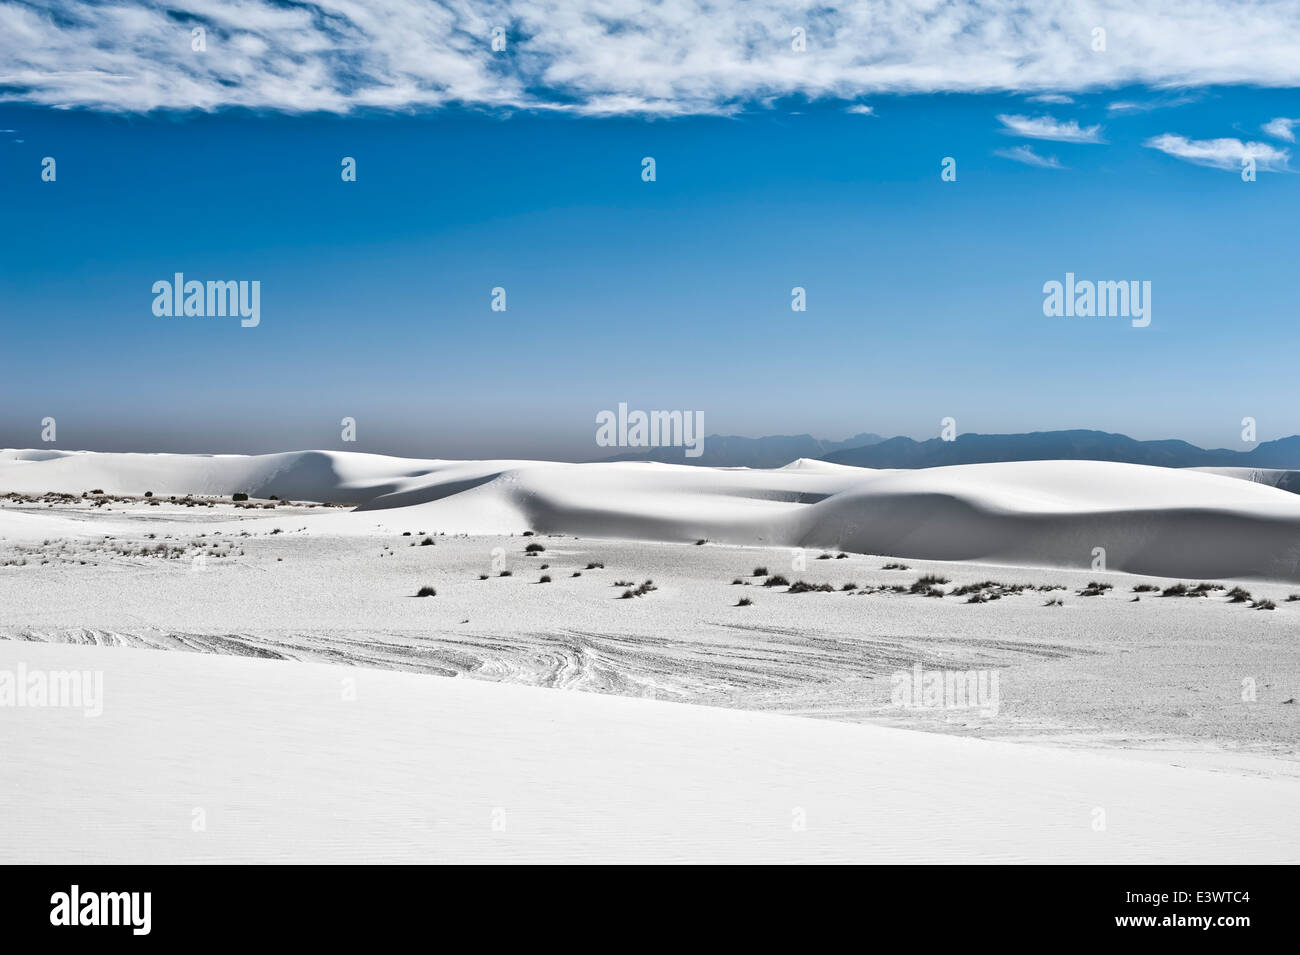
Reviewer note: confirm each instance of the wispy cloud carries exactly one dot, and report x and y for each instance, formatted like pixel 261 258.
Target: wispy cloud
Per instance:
pixel 1221 153
pixel 862 110
pixel 1148 105
pixel 1045 127
pixel 1055 99
pixel 1281 128
pixel 619 56
pixel 1026 155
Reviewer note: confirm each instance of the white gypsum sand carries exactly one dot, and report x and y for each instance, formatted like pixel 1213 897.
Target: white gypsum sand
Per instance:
pixel 1149 520
pixel 217 759
pixel 1201 681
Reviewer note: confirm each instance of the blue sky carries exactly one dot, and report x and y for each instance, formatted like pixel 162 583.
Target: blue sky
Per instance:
pixel 924 296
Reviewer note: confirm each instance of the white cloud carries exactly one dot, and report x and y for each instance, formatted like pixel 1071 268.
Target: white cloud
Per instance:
pixel 1045 127
pixel 1221 153
pixel 621 56
pixel 1146 106
pixel 1281 128
pixel 862 110
pixel 1056 99
pixel 1026 155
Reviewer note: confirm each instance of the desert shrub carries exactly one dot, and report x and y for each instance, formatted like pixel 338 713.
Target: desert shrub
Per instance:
pixel 776 581
pixel 841 556
pixel 426 592
pixel 1145 588
pixel 895 567
pixel 992 589
pixel 1238 596
pixel 640 591
pixel 803 587
pixel 1264 604
pixel 701 542
pixel 534 548
pixel 849 587
pixel 239 496
pixel 1292 598
pixel 577 573
pixel 1177 590
pixel 544 579
pixel 1054 602
pixel 737 581
pixel 922 585
pixel 595 566
pixel 148 493
pixel 744 602
pixel 505 573
pixel 823 556
pixel 1095 589
pixel 759 572
pixel 427 542
pixel 545 566
pixel 622 583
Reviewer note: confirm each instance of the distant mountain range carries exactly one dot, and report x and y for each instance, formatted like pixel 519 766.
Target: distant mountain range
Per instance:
pixel 873 451
pixel 731 451
pixel 1064 445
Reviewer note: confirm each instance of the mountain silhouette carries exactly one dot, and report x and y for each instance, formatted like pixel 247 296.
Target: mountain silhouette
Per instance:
pixel 772 451
pixel 1063 445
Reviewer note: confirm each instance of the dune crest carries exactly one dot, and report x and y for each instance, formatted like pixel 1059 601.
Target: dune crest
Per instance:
pixel 1148 520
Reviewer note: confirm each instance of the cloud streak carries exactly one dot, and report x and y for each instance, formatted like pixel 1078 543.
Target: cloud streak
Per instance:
pixel 1221 153
pixel 619 56
pixel 1026 155
pixel 1281 128
pixel 1045 127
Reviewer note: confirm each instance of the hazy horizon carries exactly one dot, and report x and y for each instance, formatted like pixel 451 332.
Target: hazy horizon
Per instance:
pixel 581 449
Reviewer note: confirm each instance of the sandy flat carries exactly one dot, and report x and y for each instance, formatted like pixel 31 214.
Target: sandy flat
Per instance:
pixel 219 759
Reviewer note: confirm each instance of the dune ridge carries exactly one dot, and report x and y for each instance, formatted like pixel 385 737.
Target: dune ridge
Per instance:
pixel 1148 520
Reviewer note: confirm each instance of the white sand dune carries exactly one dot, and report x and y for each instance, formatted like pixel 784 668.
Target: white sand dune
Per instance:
pixel 1149 520
pixel 344 476
pixel 1274 477
pixel 222 759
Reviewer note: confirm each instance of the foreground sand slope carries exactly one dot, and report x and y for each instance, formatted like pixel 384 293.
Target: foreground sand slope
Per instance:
pixel 279 765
